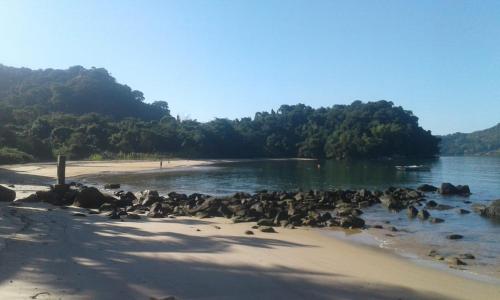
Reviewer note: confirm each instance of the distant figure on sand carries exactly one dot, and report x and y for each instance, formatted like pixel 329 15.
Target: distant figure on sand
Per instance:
pixel 161 164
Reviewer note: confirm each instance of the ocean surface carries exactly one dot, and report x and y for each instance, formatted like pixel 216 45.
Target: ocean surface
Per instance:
pixel 415 237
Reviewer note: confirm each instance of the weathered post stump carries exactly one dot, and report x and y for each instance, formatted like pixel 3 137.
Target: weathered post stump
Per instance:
pixel 61 185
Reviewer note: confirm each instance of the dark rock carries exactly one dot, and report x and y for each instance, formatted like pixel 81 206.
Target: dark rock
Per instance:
pixel 431 204
pixel 463 190
pixel 210 206
pixel 412 212
pixel 436 220
pixel 112 186
pixel 390 202
pixel 249 232
pixel 466 256
pixel 280 216
pixel 423 214
pixel 157 210
pixel 351 222
pixel 432 253
pixel 378 226
pixel 450 189
pixel 89 197
pixel 463 211
pixel 267 229
pixel 454 236
pixel 149 197
pixel 427 188
pixel 393 229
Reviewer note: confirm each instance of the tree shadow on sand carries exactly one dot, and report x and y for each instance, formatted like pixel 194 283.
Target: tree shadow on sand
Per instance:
pixel 106 261
pixel 12 177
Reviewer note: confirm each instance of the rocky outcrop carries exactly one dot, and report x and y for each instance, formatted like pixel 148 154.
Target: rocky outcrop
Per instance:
pixel 6 194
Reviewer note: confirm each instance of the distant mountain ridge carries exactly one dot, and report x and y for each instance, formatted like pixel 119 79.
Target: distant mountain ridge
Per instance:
pixel 482 142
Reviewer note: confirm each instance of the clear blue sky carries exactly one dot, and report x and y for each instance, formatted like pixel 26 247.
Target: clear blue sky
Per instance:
pixel 440 59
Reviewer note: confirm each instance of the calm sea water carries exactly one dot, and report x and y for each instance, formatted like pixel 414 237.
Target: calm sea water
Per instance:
pixel 482 174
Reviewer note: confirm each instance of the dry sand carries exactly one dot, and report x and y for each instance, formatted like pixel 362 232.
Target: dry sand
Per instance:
pixel 46 253
pixel 80 168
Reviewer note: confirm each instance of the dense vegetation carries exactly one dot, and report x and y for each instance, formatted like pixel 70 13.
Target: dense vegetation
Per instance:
pixel 483 142
pixel 85 113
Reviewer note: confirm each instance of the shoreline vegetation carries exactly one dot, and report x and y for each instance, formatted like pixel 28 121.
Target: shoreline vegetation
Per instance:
pixel 104 242
pixel 85 113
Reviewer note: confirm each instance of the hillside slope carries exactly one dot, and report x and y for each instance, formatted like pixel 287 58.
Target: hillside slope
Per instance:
pixel 483 142
pixel 76 90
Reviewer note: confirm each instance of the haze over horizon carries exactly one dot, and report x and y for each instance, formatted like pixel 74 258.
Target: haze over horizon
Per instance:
pixel 233 58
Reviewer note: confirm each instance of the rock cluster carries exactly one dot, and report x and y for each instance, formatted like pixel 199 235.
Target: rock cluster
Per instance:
pixel 337 207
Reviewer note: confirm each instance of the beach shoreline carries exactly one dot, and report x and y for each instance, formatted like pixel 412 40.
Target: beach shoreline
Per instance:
pixel 326 264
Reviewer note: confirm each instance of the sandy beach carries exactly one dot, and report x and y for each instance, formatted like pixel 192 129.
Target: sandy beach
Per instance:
pixel 47 253
pixel 48 171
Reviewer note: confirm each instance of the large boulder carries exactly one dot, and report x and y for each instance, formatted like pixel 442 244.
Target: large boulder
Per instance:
pixel 6 195
pixel 89 197
pixel 450 189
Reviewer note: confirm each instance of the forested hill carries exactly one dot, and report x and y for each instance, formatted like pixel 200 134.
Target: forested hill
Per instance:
pixel 483 142
pixel 76 90
pixel 85 113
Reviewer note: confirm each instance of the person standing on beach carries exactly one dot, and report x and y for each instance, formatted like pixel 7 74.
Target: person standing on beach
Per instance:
pixel 161 163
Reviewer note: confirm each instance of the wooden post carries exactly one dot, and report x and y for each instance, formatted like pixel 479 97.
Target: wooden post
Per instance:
pixel 61 169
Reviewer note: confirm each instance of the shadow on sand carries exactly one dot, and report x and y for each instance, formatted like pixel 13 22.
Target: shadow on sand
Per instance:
pixel 11 177
pixel 96 258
